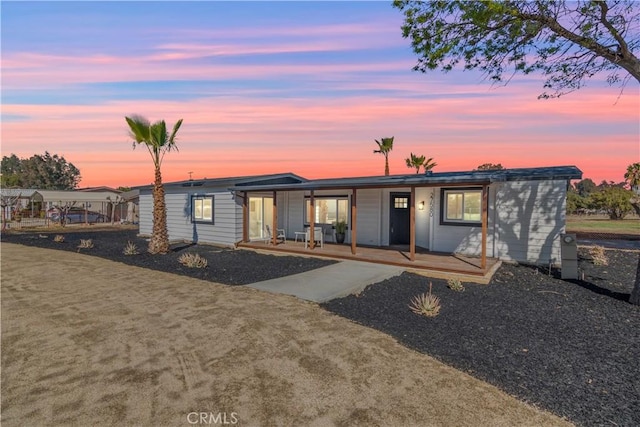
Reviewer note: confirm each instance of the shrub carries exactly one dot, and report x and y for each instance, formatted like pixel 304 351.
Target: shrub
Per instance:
pixel 192 260
pixel 455 285
pixel 426 304
pixel 59 238
pixel 130 249
pixel 598 256
pixel 85 244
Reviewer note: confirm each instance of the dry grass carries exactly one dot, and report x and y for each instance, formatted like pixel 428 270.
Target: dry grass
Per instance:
pixel 85 244
pixel 598 255
pixel 89 348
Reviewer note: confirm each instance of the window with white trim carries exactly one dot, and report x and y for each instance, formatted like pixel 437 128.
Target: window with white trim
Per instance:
pixel 202 209
pixel 461 206
pixel 328 210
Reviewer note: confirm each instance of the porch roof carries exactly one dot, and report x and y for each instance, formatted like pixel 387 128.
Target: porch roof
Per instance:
pixel 434 179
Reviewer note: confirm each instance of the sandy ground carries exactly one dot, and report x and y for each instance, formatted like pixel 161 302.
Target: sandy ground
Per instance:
pixel 86 341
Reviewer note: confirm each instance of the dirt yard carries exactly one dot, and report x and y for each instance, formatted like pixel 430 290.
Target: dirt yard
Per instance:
pixel 87 341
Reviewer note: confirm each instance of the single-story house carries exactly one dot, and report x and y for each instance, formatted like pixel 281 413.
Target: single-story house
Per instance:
pixel 510 214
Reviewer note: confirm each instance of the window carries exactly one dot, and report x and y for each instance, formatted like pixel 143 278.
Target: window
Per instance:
pixel 328 210
pixel 401 202
pixel 461 206
pixel 202 209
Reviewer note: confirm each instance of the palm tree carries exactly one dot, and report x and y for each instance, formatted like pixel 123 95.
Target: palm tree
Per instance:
pixel 633 176
pixel 385 145
pixel 158 142
pixel 429 164
pixel 415 161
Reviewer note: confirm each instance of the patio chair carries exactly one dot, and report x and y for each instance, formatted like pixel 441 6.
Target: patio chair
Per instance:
pixel 318 236
pixel 280 234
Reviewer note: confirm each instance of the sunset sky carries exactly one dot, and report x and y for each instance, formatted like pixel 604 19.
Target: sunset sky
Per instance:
pixel 270 87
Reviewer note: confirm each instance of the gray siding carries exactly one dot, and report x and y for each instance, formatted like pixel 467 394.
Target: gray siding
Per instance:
pixel 525 221
pixel 226 229
pixel 368 216
pixel 530 218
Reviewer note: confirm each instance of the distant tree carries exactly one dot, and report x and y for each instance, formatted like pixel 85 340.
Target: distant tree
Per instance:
pixel 159 142
pixel 632 177
pixel 490 167
pixel 123 189
pixel 429 164
pixel 415 161
pixel 568 41
pixel 585 187
pixel 615 200
pixel 575 201
pixel 385 145
pixel 45 172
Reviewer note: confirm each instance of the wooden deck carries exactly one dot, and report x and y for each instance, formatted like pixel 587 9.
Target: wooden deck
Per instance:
pixel 431 264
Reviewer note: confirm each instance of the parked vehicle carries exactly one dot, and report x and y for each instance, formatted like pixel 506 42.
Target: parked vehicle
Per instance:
pixel 77 216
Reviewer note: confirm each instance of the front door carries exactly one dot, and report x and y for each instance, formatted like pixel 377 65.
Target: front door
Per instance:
pixel 400 219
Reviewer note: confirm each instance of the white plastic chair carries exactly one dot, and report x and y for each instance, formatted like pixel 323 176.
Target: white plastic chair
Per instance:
pixel 318 236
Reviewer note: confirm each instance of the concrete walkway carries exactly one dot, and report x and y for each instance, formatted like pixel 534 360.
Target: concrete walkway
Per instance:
pixel 326 283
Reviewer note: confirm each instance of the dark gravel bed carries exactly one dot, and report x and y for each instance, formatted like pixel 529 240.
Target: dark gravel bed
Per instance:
pixel 572 348
pixel 225 265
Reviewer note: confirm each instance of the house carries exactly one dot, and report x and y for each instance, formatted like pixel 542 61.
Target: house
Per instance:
pixel 512 214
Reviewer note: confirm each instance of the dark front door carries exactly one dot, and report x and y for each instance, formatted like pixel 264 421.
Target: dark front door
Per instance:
pixel 399 219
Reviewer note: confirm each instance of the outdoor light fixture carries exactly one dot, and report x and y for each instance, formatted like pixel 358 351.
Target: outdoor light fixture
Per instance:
pixel 421 206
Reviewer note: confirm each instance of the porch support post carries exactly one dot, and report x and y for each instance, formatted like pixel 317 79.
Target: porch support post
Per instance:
pixel 412 227
pixel 354 211
pixel 312 220
pixel 274 225
pixel 485 218
pixel 245 216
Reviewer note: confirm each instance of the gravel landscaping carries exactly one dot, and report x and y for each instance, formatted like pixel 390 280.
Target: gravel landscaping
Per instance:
pixel 571 347
pixel 225 265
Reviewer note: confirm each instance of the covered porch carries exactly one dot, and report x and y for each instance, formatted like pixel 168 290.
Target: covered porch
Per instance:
pixel 431 264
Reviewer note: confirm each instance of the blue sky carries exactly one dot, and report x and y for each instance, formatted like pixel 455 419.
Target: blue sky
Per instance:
pixel 267 87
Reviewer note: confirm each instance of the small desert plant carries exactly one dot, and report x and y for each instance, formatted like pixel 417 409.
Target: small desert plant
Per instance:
pixel 455 285
pixel 130 249
pixel 425 304
pixel 59 238
pixel 85 244
pixel 598 256
pixel 192 260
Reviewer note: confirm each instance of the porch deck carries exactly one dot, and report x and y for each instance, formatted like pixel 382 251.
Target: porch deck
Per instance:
pixel 430 264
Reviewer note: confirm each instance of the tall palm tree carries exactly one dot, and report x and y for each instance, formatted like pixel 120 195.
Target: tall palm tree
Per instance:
pixel 385 145
pixel 159 142
pixel 415 161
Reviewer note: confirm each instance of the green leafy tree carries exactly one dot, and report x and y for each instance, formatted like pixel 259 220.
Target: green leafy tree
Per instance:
pixel 585 187
pixel 568 41
pixel 575 201
pixel 159 142
pixel 613 199
pixel 490 167
pixel 45 172
pixel 385 145
pixel 415 161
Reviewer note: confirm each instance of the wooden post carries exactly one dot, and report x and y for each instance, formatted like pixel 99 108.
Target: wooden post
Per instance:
pixel 485 218
pixel 274 225
pixel 354 212
pixel 412 226
pixel 245 217
pixel 312 221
